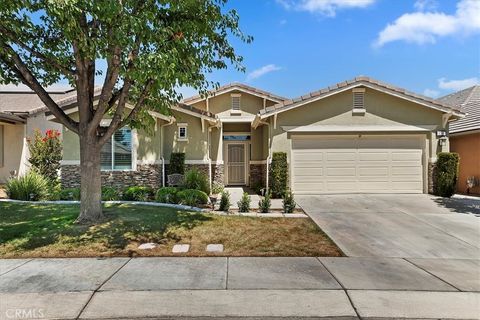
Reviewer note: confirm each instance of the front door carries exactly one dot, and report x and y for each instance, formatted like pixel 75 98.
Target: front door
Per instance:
pixel 236 156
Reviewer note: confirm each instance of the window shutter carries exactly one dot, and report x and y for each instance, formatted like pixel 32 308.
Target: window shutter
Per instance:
pixel 358 100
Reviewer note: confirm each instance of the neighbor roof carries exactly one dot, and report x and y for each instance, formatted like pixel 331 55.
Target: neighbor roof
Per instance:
pixel 236 86
pixel 21 99
pixel 357 82
pixel 468 101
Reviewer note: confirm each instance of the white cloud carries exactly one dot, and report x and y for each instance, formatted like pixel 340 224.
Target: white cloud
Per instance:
pixel 325 7
pixel 431 93
pixel 257 73
pixel 426 27
pixel 425 5
pixel 457 85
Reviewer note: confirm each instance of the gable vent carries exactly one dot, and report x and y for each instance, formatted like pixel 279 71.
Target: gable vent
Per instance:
pixel 236 102
pixel 359 98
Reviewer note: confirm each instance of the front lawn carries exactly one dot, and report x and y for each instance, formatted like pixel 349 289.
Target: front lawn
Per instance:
pixel 41 230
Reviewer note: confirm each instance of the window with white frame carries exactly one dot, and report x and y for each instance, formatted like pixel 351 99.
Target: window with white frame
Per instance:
pixel 182 131
pixel 117 153
pixel 236 101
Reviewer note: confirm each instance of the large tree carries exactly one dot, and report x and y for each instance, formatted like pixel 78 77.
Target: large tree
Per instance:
pixel 148 49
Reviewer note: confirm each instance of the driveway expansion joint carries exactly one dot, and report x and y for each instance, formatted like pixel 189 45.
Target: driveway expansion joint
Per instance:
pixel 432 274
pixel 16 267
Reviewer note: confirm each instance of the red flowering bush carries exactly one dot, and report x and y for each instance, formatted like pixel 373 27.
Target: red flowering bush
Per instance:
pixel 45 153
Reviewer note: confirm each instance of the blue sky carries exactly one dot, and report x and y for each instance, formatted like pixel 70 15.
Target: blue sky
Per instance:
pixel 430 47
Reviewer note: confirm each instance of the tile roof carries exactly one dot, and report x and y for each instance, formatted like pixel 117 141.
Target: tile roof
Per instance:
pixel 200 112
pixel 235 85
pixel 15 99
pixel 358 81
pixel 12 118
pixel 468 101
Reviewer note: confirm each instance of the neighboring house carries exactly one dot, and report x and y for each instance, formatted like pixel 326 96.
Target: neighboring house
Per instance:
pixel 21 113
pixel 465 137
pixel 360 135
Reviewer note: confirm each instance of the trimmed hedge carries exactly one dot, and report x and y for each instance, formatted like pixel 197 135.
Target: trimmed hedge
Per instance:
pixel 446 174
pixel 278 174
pixel 192 197
pixel 177 163
pixel 167 195
pixel 138 193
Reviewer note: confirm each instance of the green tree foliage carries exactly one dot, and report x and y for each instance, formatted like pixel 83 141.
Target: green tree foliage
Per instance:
pixel 177 163
pixel 45 153
pixel 278 174
pixel 446 173
pixel 149 48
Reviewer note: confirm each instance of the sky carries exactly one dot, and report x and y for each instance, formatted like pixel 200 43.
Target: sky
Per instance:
pixel 431 47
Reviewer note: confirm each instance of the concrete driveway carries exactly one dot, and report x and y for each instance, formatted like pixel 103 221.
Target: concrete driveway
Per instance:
pixel 400 225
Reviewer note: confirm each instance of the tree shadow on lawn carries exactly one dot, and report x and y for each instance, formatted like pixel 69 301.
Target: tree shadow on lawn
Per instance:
pixel 30 226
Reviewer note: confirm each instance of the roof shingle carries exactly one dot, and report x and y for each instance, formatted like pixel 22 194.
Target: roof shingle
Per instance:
pixel 468 101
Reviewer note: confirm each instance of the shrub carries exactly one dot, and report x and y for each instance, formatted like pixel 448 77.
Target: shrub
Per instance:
pixel 264 204
pixel 30 187
pixel 167 195
pixel 138 193
pixel 244 203
pixel 196 179
pixel 70 194
pixel 192 197
pixel 257 187
pixel 288 202
pixel 217 187
pixel 278 174
pixel 224 201
pixel 110 194
pixel 177 163
pixel 446 174
pixel 45 153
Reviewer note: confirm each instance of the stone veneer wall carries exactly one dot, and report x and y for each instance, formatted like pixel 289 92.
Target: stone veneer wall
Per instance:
pixel 146 175
pixel 258 175
pixel 431 177
pixel 218 173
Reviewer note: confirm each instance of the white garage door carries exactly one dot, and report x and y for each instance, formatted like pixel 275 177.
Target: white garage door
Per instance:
pixel 352 164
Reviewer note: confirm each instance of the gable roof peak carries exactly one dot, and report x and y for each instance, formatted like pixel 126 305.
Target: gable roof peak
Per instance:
pixel 232 86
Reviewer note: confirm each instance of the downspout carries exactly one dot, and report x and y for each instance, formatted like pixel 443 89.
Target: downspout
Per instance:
pixel 170 122
pixel 269 157
pixel 209 129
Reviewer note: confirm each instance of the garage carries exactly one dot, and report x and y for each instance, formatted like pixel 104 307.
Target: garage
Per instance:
pixel 357 164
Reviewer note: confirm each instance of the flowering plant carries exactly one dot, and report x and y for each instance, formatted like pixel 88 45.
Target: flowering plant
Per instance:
pixel 45 153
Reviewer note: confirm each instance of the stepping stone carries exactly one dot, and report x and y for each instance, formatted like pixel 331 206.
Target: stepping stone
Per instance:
pixel 146 246
pixel 215 248
pixel 181 248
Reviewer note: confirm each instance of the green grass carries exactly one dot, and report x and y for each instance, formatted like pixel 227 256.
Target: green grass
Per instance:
pixel 41 230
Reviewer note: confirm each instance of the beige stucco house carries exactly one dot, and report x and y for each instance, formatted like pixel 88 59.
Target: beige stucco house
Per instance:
pixel 21 113
pixel 360 135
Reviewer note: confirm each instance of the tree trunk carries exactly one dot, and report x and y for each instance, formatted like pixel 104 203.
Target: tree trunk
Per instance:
pixel 91 182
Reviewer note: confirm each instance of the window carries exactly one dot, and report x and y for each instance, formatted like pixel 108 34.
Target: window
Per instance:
pixel 116 154
pixel 182 131
pixel 359 98
pixel 236 102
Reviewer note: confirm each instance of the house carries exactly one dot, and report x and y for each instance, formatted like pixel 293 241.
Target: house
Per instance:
pixel 465 137
pixel 360 135
pixel 21 113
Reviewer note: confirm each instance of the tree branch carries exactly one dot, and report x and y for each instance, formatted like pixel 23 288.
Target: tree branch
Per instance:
pixel 26 76
pixel 14 39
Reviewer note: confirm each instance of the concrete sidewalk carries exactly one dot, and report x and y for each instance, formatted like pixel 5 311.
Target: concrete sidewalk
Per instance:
pixel 341 288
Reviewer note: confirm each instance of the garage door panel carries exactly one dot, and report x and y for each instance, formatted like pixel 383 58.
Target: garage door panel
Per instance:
pixel 352 164
pixel 299 172
pixel 340 172
pixel 341 156
pixel 372 171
